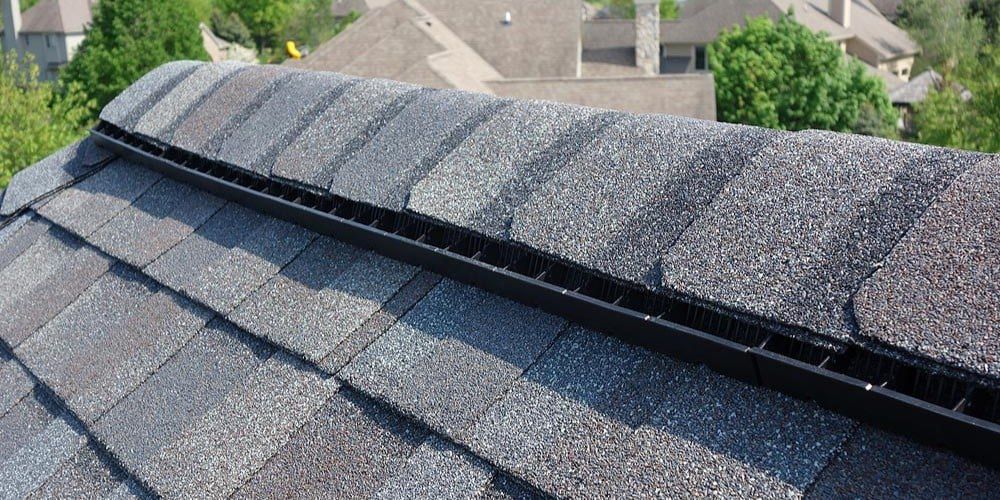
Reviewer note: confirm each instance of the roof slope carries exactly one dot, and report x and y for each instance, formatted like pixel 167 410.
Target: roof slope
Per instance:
pixel 228 352
pixel 57 16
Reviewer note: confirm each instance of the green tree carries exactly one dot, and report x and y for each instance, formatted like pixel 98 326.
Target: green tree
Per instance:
pixel 785 76
pixel 989 12
pixel 35 119
pixel 946 118
pixel 266 19
pixel 127 39
pixel 230 27
pixel 626 8
pixel 945 32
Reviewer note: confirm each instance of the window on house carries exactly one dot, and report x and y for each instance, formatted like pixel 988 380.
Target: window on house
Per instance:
pixel 700 58
pixel 48 41
pixel 905 71
pixel 27 41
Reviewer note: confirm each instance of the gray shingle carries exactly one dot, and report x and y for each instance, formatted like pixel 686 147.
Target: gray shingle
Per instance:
pixel 402 153
pixel 321 297
pixel 480 183
pixel 206 126
pixel 187 386
pixel 134 101
pixel 338 132
pixel 128 490
pixel 159 122
pixel 18 235
pixel 85 207
pixel 51 173
pixel 230 256
pixel 793 236
pixel 34 306
pixel 268 131
pixel 347 450
pixel 83 476
pixel 110 340
pixel 154 223
pixel 597 418
pixel 938 292
pixel 381 321
pixel 624 200
pixel 39 459
pixel 438 469
pixel 23 422
pixel 504 488
pixel 15 383
pixel 877 464
pixel 452 355
pixel 219 452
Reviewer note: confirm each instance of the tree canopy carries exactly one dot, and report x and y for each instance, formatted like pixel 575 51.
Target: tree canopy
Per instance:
pixel 127 39
pixel 782 75
pixel 35 119
pixel 946 33
pixel 626 8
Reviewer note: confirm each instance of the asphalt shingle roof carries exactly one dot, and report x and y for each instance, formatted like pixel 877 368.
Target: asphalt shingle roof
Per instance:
pixel 195 347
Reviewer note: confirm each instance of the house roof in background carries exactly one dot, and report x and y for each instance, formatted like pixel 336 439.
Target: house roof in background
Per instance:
pixel 311 367
pixel 57 16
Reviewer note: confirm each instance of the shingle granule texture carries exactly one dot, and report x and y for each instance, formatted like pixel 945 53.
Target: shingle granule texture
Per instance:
pixel 23 422
pixel 126 109
pixel 85 207
pixel 938 293
pixel 452 355
pixel 83 476
pixel 158 124
pixel 438 469
pixel 322 296
pixel 40 458
pixel 187 386
pixel 163 216
pixel 107 342
pixel 402 153
pixel 339 131
pixel 54 171
pixel 792 237
pixel 230 256
pixel 17 235
pixel 877 464
pixel 598 418
pixel 15 383
pixel 219 452
pixel 268 130
pixel 504 488
pixel 626 198
pixel 348 449
pixel 482 181
pixel 208 124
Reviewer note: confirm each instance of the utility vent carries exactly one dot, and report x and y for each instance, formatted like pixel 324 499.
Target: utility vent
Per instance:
pixel 934 405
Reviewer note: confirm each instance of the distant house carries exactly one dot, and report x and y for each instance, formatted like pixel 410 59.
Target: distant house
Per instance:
pixel 51 30
pixel 515 48
pixel 219 49
pixel 858 26
pixel 905 96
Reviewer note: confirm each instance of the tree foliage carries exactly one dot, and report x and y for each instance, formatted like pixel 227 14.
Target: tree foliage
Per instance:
pixel 231 27
pixel 946 119
pixel 989 12
pixel 266 19
pixel 944 31
pixel 782 75
pixel 127 39
pixel 626 8
pixel 35 119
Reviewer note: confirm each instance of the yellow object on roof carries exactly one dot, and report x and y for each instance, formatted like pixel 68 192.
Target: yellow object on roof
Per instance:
pixel 293 52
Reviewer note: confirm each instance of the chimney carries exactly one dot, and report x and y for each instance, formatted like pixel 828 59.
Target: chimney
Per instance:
pixel 647 36
pixel 11 24
pixel 840 11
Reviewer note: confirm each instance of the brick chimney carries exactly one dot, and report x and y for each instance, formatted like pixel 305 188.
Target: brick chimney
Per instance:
pixel 647 36
pixel 11 24
pixel 840 11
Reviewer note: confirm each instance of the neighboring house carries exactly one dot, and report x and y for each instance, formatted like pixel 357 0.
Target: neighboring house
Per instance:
pixel 515 48
pixel 906 95
pixel 224 50
pixel 304 285
pixel 856 25
pixel 50 30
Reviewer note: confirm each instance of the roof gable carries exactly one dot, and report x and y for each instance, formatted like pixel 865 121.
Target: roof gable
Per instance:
pixel 57 16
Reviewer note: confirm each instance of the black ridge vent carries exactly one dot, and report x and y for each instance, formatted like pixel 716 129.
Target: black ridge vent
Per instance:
pixel 934 404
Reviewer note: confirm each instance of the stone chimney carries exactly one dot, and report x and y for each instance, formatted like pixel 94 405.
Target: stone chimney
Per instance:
pixel 840 11
pixel 11 24
pixel 647 36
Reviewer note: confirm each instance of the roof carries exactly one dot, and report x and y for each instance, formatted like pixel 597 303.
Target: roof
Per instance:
pixel 447 44
pixel 917 89
pixel 703 20
pixel 57 16
pixel 227 352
